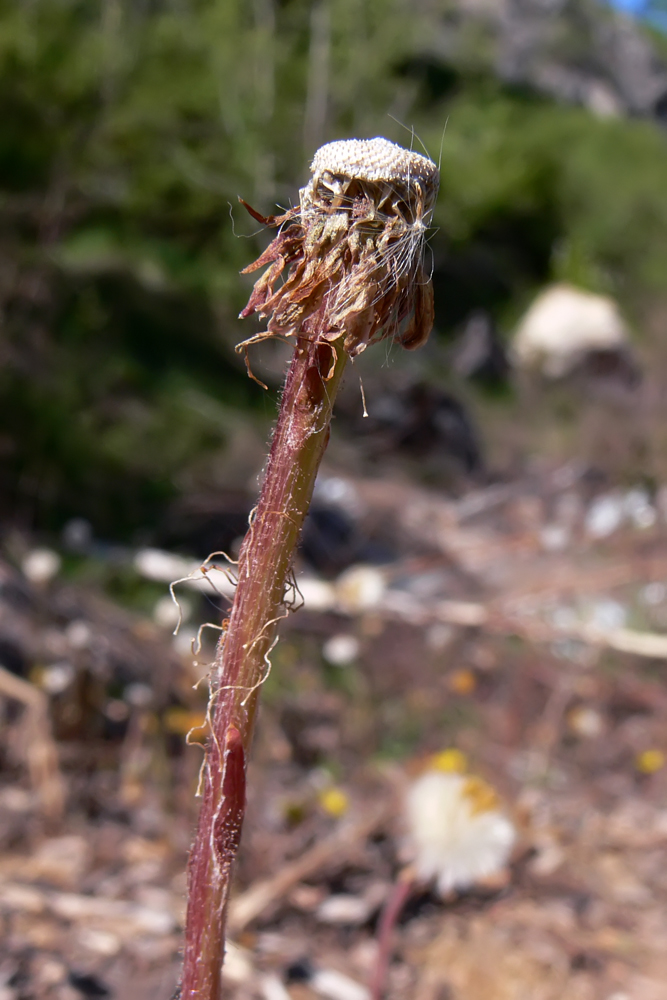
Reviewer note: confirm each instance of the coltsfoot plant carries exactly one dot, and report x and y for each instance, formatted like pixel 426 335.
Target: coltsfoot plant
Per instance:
pixel 457 834
pixel 345 269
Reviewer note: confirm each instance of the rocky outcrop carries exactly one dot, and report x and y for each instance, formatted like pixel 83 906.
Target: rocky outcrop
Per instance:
pixel 577 51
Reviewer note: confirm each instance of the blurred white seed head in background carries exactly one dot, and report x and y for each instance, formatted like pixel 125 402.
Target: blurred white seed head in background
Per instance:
pixel 457 832
pixel 40 566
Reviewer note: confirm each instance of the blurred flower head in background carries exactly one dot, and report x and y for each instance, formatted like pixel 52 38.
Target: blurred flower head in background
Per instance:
pixel 457 831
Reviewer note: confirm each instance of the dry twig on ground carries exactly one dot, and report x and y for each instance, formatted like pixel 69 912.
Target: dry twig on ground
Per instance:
pixel 39 747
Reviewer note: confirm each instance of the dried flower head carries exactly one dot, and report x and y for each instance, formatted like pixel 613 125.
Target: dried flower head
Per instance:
pixel 349 261
pixel 457 831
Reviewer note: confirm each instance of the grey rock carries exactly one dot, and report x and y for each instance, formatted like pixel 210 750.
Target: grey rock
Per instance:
pixel 576 51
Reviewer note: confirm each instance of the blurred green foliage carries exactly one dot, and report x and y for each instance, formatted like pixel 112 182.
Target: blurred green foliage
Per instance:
pixel 127 129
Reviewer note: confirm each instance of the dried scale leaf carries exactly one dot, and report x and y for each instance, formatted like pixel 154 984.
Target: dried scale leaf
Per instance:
pixel 356 239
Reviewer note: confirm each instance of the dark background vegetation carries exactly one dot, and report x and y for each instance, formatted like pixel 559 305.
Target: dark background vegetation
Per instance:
pixel 127 131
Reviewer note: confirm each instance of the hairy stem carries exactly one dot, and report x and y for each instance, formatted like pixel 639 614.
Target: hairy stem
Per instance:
pixel 344 269
pixel 299 440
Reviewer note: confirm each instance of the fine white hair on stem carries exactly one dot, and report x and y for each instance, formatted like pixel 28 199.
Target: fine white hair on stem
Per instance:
pixel 202 572
pixel 197 640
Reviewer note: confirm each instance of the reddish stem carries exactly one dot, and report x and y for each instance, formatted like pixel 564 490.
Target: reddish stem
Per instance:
pixel 241 664
pixel 392 911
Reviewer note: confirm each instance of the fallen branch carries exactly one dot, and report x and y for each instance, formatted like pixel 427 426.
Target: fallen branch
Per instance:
pixel 40 748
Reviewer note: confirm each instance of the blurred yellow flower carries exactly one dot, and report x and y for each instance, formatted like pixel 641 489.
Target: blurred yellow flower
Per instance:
pixel 334 801
pixel 650 761
pixel 449 761
pixel 462 682
pixel 182 720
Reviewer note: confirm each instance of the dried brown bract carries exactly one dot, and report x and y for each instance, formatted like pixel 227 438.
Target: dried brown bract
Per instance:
pixel 352 252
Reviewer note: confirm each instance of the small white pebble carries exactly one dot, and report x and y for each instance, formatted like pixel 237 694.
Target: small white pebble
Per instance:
pixel 41 565
pixel 344 909
pixel 79 634
pixel 22 898
pixel 100 942
pixel 337 492
pixel 167 567
pixel 51 972
pixel 138 695
pixel 116 710
pixel 166 613
pixel 608 614
pixel 237 966
pixel 182 643
pixel 57 677
pixel 341 649
pixel 439 637
pixel 318 595
pixel 16 800
pixel 158 922
pixel 271 988
pixel 604 516
pixel 586 721
pixel 163 567
pixel 335 986
pixel 360 588
pixel 554 537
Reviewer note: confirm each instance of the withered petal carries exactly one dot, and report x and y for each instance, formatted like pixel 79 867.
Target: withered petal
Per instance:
pixel 421 322
pixel 268 220
pixel 354 244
